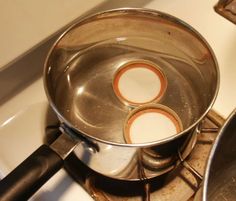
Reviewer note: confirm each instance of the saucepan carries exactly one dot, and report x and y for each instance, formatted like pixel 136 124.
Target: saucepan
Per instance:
pixel 220 174
pixel 129 87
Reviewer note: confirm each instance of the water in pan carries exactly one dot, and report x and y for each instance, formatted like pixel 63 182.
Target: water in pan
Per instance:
pixel 89 101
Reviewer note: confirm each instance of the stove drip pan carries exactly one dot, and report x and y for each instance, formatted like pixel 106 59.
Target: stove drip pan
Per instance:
pixel 180 184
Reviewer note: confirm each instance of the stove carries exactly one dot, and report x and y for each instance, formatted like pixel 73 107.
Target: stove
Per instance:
pixel 26 120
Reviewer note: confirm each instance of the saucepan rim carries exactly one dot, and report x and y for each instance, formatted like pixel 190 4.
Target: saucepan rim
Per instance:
pixel 138 11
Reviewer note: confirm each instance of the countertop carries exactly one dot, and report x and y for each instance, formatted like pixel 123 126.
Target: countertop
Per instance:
pixel 26 24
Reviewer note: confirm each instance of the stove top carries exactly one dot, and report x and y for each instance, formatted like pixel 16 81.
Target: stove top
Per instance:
pixel 179 185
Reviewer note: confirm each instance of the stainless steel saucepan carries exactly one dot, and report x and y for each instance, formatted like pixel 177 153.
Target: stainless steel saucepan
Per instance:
pixel 90 77
pixel 220 174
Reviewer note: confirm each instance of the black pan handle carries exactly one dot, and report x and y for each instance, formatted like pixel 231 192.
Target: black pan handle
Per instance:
pixel 30 175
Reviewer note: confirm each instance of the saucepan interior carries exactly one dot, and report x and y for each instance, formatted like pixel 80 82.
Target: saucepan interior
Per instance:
pixel 82 66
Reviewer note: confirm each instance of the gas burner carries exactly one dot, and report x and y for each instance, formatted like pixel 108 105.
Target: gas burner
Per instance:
pixel 180 184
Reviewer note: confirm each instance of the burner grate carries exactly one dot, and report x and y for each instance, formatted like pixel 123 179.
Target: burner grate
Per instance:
pixel 179 184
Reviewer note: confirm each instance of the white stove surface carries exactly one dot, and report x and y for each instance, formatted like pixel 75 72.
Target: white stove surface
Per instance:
pixel 22 116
